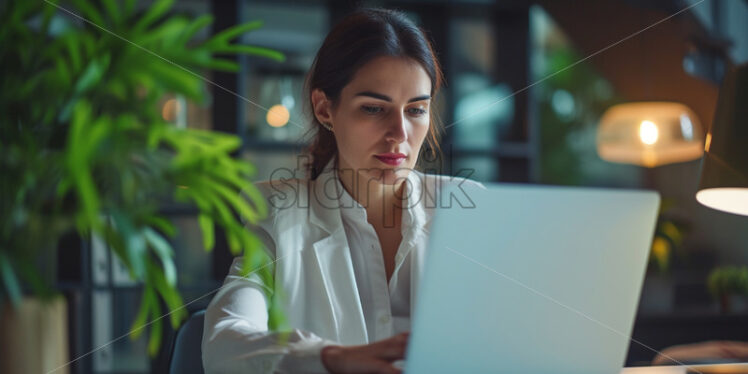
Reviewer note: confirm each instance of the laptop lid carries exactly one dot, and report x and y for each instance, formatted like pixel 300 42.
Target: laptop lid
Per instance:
pixel 531 279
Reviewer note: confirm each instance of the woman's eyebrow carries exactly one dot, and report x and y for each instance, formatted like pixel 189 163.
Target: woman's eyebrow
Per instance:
pixel 387 98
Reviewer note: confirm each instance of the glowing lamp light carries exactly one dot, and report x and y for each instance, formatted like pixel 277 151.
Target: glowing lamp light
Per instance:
pixel 278 116
pixel 649 134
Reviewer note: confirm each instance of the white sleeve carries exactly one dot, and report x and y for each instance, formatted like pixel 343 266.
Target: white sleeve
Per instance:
pixel 236 338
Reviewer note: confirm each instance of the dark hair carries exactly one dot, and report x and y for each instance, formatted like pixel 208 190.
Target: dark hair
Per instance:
pixel 358 38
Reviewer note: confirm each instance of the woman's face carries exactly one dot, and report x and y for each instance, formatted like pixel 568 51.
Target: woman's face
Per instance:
pixel 383 110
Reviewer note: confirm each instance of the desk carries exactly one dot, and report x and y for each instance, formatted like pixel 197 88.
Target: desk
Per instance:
pixel 707 369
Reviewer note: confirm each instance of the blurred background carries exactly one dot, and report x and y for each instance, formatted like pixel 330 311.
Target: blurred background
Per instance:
pixel 551 69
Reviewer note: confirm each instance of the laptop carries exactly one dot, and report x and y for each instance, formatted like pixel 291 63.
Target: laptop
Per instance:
pixel 531 279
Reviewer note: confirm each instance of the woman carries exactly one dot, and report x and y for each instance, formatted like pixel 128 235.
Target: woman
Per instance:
pixel 349 240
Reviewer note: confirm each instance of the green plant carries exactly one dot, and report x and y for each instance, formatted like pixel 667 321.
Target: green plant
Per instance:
pixel 83 147
pixel 728 280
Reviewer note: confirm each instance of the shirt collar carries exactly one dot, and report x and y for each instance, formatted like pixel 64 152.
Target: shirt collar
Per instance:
pixel 413 214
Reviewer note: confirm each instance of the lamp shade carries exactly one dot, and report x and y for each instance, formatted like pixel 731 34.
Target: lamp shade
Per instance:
pixel 724 168
pixel 649 133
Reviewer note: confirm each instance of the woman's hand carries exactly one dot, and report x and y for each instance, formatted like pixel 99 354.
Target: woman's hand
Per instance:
pixel 376 357
pixel 718 349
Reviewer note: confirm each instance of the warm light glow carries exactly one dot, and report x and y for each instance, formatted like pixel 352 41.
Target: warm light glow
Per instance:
pixel 732 200
pixel 170 110
pixel 686 127
pixel 278 116
pixel 648 132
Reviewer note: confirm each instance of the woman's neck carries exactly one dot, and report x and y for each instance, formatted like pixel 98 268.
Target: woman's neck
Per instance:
pixel 383 202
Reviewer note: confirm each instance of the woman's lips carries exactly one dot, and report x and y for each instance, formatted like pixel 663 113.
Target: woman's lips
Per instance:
pixel 391 160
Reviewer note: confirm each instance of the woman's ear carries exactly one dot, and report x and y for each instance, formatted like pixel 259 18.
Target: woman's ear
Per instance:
pixel 322 106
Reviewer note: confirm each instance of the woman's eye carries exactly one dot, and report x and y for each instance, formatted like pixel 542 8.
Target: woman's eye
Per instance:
pixel 376 110
pixel 371 109
pixel 418 111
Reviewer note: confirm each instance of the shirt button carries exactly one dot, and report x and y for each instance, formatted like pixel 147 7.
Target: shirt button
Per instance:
pixel 384 319
pixel 399 257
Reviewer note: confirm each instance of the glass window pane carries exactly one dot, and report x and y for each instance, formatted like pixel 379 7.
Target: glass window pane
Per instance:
pixel 481 111
pixel 483 108
pixel 274 90
pixel 479 168
pixel 276 112
pixel 113 312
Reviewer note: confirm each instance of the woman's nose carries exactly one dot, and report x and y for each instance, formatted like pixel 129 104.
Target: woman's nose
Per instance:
pixel 396 131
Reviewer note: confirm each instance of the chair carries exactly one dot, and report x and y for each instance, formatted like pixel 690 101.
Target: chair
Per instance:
pixel 186 351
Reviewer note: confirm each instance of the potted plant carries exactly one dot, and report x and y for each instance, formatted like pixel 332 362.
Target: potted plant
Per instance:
pixel 83 147
pixel 728 283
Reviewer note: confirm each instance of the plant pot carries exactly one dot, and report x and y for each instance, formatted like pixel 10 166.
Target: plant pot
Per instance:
pixel 34 337
pixel 732 303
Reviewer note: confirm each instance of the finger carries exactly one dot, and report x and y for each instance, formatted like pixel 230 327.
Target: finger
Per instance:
pixel 735 349
pixel 388 368
pixel 391 349
pixel 402 337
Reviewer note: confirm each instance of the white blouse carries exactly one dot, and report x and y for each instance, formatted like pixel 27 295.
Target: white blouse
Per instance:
pixel 386 306
pixel 317 269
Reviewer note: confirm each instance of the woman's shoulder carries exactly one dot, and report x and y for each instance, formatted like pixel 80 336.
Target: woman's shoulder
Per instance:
pixel 284 193
pixel 286 200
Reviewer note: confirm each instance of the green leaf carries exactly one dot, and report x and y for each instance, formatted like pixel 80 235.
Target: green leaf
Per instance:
pixel 10 281
pixel 206 225
pixel 93 74
pixel 62 71
pixel 167 31
pixel 129 6
pixel 161 223
pixel 223 37
pixel 170 295
pixel 175 79
pixel 154 340
pixel 220 65
pixel 78 166
pixel 89 11
pixel 276 318
pixel 140 319
pixel 232 239
pixel 158 9
pixel 254 257
pixel 198 24
pixel 165 253
pixel 113 11
pixel 236 201
pixel 135 243
pixel 71 42
pixel 224 213
pixel 252 50
pixel 225 174
pixel 32 276
pixel 256 196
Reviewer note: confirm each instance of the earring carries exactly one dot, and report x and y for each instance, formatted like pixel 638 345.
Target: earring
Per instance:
pixel 326 125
